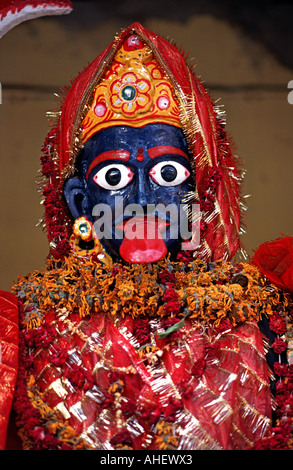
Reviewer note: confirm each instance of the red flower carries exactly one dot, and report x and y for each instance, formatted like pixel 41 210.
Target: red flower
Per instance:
pixel 123 437
pixel 79 377
pixel 211 181
pixel 198 367
pixel 278 324
pixel 174 405
pixel 108 400
pixel 172 305
pixel 203 226
pixel 262 444
pixel 224 325
pixel 141 330
pixel 40 337
pixel 50 193
pixel 280 369
pixel 38 433
pixel 47 167
pixel 279 345
pixel 151 415
pixel 170 294
pixel 186 390
pixel 166 277
pixel 58 356
pixel 167 323
pixel 282 389
pixel 63 248
pixel 206 206
pixel 185 256
pixel 47 149
pixel 31 421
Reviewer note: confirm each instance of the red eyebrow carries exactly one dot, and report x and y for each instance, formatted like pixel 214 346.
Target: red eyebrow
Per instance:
pixel 164 150
pixel 118 154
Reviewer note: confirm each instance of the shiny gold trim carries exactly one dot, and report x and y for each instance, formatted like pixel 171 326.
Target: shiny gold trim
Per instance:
pixel 252 372
pixel 253 410
pixel 61 408
pixel 58 386
pixel 243 437
pixel 155 327
pixel 253 346
pixel 226 241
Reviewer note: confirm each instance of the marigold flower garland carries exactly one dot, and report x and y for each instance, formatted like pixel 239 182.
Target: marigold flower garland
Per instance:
pixel 219 294
pixel 211 293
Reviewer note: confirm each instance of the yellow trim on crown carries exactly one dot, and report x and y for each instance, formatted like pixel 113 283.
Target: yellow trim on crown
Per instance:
pixel 134 92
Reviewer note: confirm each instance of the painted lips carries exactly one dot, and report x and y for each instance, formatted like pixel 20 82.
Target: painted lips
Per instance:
pixel 143 242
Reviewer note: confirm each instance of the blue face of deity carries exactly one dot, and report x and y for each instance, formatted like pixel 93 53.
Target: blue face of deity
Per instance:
pixel 127 172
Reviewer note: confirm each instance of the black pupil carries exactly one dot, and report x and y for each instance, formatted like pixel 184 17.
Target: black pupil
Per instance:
pixel 113 176
pixel 168 173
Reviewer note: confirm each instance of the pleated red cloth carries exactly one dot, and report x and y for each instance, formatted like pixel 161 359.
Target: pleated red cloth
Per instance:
pixel 8 358
pixel 14 12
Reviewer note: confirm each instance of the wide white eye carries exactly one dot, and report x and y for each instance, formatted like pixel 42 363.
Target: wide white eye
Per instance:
pixel 169 173
pixel 113 176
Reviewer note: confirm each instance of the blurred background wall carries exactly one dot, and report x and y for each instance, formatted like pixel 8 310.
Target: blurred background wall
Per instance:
pixel 244 55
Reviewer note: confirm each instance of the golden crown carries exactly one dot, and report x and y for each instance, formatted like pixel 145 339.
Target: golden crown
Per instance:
pixel 133 92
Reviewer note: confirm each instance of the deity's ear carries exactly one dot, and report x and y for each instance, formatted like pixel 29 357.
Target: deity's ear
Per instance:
pixel 76 197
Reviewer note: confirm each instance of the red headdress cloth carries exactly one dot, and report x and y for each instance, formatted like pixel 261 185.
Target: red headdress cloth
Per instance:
pixel 216 174
pixel 14 12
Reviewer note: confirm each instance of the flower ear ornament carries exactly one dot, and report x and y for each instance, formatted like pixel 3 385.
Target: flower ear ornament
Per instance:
pixel 85 243
pixel 83 229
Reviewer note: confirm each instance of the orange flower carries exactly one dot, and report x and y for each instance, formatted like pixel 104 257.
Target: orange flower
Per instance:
pixel 130 94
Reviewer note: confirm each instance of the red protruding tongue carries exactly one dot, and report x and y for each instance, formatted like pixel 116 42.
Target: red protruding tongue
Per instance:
pixel 142 242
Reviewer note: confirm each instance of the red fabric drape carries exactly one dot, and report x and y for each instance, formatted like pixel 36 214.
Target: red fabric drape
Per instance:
pixel 275 260
pixel 9 358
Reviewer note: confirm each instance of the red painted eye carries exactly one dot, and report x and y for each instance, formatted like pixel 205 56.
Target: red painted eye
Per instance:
pixel 169 173
pixel 113 177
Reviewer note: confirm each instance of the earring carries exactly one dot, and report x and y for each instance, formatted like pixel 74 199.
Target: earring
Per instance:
pixel 83 228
